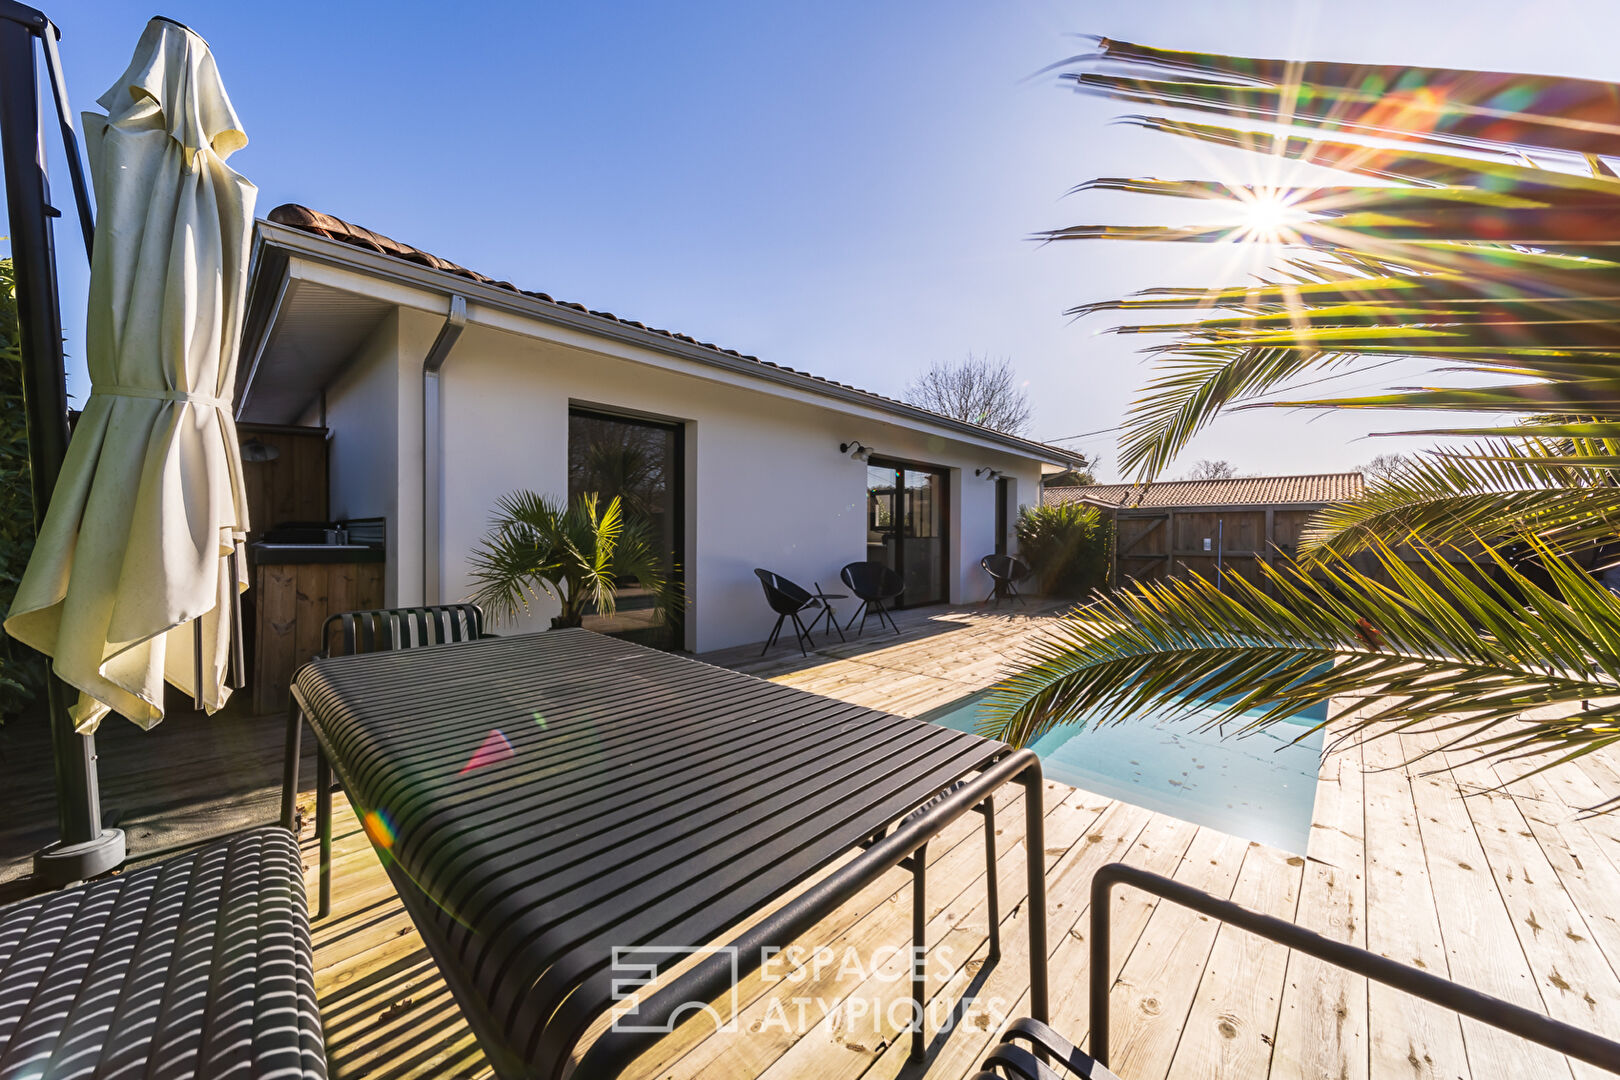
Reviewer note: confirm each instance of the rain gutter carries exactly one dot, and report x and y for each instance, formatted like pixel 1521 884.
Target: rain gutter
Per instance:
pixel 433 446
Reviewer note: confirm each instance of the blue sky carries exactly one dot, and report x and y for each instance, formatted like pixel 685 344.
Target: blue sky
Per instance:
pixel 846 188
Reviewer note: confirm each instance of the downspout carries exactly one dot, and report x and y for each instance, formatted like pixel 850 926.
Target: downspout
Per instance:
pixel 433 446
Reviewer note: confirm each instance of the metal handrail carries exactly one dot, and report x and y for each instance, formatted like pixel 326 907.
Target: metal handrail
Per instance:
pixel 1559 1036
pixel 711 977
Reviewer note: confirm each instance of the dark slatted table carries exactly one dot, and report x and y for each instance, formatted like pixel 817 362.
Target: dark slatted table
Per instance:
pixel 543 799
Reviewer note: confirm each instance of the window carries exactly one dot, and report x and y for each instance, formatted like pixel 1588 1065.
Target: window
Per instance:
pixel 1003 513
pixel 640 462
pixel 906 528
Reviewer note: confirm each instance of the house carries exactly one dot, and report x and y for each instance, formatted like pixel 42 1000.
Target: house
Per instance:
pixel 442 390
pixel 1207 527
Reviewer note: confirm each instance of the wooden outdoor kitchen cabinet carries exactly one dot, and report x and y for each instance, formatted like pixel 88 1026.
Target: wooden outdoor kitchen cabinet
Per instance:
pixel 293 601
pixel 293 591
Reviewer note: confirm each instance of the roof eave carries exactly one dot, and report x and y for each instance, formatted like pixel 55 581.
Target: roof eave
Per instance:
pixel 307 245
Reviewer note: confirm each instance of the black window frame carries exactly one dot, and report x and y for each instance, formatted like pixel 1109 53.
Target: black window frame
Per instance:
pixel 1003 513
pixel 677 485
pixel 946 532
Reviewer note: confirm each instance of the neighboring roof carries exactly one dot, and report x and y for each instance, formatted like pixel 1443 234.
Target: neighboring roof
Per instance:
pixel 319 224
pixel 1240 491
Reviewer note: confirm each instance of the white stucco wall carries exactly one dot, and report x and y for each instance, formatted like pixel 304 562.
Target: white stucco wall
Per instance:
pixel 766 484
pixel 373 411
pixel 362 416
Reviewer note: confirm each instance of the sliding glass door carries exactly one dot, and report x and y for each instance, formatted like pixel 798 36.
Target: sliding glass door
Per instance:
pixel 907 528
pixel 640 462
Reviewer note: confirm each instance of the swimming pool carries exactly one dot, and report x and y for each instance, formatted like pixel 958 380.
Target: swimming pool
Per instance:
pixel 1261 786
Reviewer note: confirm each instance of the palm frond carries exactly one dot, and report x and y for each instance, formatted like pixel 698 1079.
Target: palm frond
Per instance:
pixel 575 552
pixel 1488 245
pixel 1194 387
pixel 1469 254
pixel 1595 430
pixel 1523 487
pixel 593 550
pixel 519 558
pixel 1440 646
pixel 1467 108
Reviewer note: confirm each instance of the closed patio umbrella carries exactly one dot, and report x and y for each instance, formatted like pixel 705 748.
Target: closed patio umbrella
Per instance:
pixel 142 533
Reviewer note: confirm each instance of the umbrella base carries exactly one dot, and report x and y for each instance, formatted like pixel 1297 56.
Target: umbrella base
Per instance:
pixel 63 863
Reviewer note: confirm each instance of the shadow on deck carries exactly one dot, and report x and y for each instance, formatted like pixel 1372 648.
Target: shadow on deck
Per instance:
pixel 915 625
pixel 1509 890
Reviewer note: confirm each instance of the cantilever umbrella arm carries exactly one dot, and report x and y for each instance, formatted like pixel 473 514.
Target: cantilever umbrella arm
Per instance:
pixel 708 980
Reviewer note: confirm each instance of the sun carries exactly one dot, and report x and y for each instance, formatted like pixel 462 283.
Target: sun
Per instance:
pixel 1268 216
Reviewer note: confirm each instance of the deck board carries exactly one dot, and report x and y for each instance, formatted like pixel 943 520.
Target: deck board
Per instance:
pixel 1322 1025
pixel 1408 1037
pixel 1232 1027
pixel 1153 993
pixel 1509 889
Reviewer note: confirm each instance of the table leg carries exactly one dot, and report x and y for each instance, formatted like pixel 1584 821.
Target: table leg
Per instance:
pixel 988 809
pixel 919 950
pixel 323 828
pixel 832 620
pixel 1035 856
pixel 289 768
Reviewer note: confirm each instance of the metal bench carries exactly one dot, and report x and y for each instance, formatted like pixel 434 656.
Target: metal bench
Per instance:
pixel 345 634
pixel 199 966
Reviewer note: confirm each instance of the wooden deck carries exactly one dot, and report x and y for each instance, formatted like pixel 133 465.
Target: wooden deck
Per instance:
pixel 1511 892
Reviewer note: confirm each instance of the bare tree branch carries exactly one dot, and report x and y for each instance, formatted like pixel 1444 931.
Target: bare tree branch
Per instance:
pixel 1212 470
pixel 1383 467
pixel 979 390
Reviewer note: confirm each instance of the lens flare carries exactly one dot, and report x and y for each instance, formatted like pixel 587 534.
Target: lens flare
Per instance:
pixel 379 829
pixel 495 748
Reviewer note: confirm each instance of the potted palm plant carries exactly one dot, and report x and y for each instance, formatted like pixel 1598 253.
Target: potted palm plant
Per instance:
pixel 571 551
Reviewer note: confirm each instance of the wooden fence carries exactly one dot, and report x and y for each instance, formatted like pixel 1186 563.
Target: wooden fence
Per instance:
pixel 1221 542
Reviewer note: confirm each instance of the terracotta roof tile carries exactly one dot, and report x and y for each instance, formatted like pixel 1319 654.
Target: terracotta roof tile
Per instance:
pixel 334 228
pixel 1240 491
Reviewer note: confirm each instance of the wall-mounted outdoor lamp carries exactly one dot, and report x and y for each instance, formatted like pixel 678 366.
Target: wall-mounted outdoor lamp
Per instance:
pixel 987 472
pixel 856 450
pixel 256 449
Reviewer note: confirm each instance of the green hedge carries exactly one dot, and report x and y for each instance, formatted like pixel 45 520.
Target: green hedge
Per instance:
pixel 1068 547
pixel 22 670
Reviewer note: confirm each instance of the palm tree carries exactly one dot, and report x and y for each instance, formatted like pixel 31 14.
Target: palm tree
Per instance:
pixel 541 546
pixel 1487 248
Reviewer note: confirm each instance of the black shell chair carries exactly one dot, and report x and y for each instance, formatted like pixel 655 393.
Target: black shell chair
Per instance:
pixel 787 600
pixel 874 585
pixel 1005 572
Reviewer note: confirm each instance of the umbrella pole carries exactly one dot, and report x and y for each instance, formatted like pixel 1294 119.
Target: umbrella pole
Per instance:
pixel 85 848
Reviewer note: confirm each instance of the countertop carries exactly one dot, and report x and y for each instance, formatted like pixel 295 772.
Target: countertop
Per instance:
pixel 282 554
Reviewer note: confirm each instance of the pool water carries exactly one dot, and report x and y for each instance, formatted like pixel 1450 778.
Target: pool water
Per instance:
pixel 1260 786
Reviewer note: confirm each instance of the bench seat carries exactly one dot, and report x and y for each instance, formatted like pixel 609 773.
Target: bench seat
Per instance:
pixel 200 966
